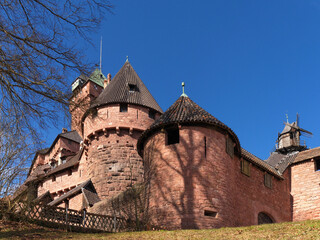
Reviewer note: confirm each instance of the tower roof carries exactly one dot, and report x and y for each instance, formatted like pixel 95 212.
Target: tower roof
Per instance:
pixel 185 111
pixel 127 87
pixel 97 77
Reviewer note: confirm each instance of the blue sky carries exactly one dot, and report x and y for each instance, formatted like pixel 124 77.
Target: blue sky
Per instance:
pixel 248 63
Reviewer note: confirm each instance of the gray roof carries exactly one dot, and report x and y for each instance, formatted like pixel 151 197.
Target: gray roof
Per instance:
pixel 70 162
pixel 281 161
pixel 87 185
pixel 118 90
pixel 185 111
pixel 260 163
pixel 72 135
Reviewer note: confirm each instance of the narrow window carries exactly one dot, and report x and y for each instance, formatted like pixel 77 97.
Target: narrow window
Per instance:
pixel 53 178
pixel 317 164
pixel 152 113
pixel 205 146
pixel 69 172
pixel 245 167
pixel 268 180
pixel 210 213
pixel 172 135
pixel 229 146
pixel 123 107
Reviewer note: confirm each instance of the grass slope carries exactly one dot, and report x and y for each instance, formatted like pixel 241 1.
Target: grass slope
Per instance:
pixel 296 230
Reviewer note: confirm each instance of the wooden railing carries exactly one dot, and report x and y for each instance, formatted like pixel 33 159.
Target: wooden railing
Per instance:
pixel 71 218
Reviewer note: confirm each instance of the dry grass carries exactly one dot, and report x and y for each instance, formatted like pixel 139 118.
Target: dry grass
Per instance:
pixel 297 230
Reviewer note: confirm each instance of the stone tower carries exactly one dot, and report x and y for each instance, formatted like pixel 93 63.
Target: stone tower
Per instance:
pixel 84 91
pixel 187 153
pixel 111 128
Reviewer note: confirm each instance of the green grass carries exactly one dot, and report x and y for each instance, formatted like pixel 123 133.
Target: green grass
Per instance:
pixel 296 230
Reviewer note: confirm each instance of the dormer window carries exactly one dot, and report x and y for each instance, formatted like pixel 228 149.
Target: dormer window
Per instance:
pixel 133 88
pixel 123 107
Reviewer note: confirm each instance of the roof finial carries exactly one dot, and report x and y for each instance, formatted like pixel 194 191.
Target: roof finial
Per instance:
pixel 287 118
pixel 127 60
pixel 183 94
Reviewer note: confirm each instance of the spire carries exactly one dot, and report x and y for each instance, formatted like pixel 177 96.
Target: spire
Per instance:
pixel 183 94
pixel 100 52
pixel 127 60
pixel 287 118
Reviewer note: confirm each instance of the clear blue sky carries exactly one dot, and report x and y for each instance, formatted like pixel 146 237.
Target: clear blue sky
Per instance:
pixel 248 63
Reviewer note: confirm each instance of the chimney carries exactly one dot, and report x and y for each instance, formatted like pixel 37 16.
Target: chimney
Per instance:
pixel 64 130
pixel 107 81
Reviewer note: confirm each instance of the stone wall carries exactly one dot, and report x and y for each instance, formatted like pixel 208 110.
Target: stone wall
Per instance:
pixel 113 163
pixel 196 184
pixel 305 191
pixel 62 184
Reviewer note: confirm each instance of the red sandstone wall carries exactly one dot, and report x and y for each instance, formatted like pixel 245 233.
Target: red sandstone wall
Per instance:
pixel 63 183
pixel 253 197
pixel 80 102
pixel 76 202
pixel 305 191
pixel 186 183
pixel 111 117
pixel 113 163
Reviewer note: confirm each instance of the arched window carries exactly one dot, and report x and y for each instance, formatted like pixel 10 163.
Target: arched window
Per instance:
pixel 263 218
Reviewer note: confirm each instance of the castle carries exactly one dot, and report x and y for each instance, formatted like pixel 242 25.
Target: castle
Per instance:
pixel 201 177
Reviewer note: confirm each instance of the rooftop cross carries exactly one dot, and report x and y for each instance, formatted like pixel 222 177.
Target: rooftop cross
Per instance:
pixel 183 94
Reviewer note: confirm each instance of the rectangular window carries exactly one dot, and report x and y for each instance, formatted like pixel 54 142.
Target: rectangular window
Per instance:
pixel 152 113
pixel 317 164
pixel 123 107
pixel 245 167
pixel 268 180
pixel 210 213
pixel 69 172
pixel 229 146
pixel 53 178
pixel 172 135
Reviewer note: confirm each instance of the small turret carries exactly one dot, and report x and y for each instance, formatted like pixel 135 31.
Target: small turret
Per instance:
pixel 289 139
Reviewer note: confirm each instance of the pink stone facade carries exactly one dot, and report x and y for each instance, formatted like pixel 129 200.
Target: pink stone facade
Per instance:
pixel 305 191
pixel 189 180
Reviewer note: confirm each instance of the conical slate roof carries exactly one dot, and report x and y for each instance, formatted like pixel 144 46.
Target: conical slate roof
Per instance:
pixel 185 111
pixel 127 87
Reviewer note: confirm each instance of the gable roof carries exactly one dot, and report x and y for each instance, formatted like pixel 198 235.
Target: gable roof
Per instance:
pixel 280 161
pixel 307 154
pixel 260 163
pixel 87 185
pixel 72 135
pixel 118 90
pixel 70 162
pixel 185 111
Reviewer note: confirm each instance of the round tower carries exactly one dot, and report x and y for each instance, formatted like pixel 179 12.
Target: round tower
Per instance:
pixel 111 129
pixel 189 158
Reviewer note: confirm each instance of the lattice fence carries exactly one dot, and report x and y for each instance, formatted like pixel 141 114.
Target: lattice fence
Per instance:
pixel 70 217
